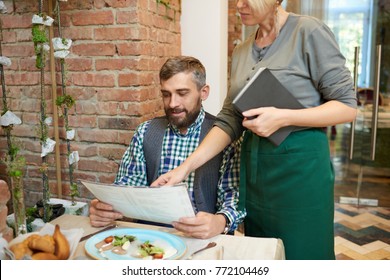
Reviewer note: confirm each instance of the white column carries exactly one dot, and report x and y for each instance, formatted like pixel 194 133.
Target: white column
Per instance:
pixel 204 27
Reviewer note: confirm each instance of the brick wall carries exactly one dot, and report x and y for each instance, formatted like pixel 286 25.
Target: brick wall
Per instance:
pixel 112 72
pixel 234 26
pixel 234 29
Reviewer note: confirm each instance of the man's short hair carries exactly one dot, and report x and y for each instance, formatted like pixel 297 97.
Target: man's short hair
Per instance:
pixel 186 64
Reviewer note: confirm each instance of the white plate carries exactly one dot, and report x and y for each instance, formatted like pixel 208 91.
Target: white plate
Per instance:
pixel 141 235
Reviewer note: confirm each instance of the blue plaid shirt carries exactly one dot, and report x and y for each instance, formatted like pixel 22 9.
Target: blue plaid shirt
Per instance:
pixel 176 148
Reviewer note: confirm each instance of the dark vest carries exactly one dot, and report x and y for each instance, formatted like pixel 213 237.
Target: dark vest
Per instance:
pixel 206 177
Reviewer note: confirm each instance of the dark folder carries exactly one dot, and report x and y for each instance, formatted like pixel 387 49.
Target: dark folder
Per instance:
pixel 265 90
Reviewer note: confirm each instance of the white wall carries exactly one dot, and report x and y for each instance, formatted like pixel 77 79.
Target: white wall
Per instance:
pixel 204 27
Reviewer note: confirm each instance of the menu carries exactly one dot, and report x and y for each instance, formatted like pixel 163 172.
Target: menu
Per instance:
pixel 264 90
pixel 155 204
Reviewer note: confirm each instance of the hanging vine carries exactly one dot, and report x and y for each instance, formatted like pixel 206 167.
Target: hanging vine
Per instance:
pixel 41 47
pixel 65 101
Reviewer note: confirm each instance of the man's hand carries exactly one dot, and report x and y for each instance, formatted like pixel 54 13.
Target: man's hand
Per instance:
pixel 203 225
pixel 102 214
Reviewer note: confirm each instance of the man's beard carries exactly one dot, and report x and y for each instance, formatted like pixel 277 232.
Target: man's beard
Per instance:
pixel 182 123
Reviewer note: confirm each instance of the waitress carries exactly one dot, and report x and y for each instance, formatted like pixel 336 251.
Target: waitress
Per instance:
pixel 287 189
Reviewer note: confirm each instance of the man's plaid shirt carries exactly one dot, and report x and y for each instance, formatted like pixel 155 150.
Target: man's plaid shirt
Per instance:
pixel 176 148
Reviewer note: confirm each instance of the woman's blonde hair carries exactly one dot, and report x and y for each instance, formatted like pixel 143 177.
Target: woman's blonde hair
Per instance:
pixel 261 5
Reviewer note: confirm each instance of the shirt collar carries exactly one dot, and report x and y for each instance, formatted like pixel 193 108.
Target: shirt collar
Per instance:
pixel 193 127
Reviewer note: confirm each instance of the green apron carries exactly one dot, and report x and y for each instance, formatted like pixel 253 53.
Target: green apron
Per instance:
pixel 288 192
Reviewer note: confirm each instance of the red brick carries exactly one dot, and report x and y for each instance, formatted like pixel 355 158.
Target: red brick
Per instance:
pixel 16 21
pixel 27 64
pixel 108 108
pixel 146 5
pixel 82 121
pixel 92 79
pixel 77 5
pixel 19 50
pixel 78 33
pixel 107 178
pixel 9 36
pixel 82 93
pixel 117 123
pixel 156 63
pixel 135 79
pixel 140 64
pixel 145 17
pixel 112 153
pixel 99 4
pixel 117 3
pixel 121 33
pixel 26 6
pixel 87 107
pixel 80 175
pixel 79 64
pixel 97 135
pixel 123 17
pixel 32 145
pixel 22 79
pixel 23 131
pixel 130 109
pixel 125 136
pixel 66 21
pixel 93 18
pixel 132 95
pixel 115 64
pixel 24 35
pixel 134 48
pixel 85 150
pixel 94 49
pixel 29 118
pixel 97 165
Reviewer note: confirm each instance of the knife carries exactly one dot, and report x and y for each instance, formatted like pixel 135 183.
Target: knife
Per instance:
pixel 99 231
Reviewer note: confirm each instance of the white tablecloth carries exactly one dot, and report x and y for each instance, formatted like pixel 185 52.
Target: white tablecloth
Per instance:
pixel 228 246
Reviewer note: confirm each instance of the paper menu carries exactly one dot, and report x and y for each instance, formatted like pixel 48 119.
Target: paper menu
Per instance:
pixel 158 204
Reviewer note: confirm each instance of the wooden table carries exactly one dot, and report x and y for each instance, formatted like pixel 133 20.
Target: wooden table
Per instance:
pixel 228 246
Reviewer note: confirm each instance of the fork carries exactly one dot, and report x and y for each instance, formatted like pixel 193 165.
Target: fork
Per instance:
pixel 210 245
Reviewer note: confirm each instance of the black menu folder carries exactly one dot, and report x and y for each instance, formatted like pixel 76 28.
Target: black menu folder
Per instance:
pixel 265 90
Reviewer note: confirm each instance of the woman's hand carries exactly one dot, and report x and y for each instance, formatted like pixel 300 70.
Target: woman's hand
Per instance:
pixel 265 121
pixel 175 176
pixel 269 119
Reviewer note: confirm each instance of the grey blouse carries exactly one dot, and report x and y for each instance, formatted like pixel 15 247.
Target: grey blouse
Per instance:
pixel 306 59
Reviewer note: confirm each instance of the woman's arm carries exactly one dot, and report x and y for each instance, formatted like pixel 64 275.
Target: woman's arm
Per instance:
pixel 214 142
pixel 330 113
